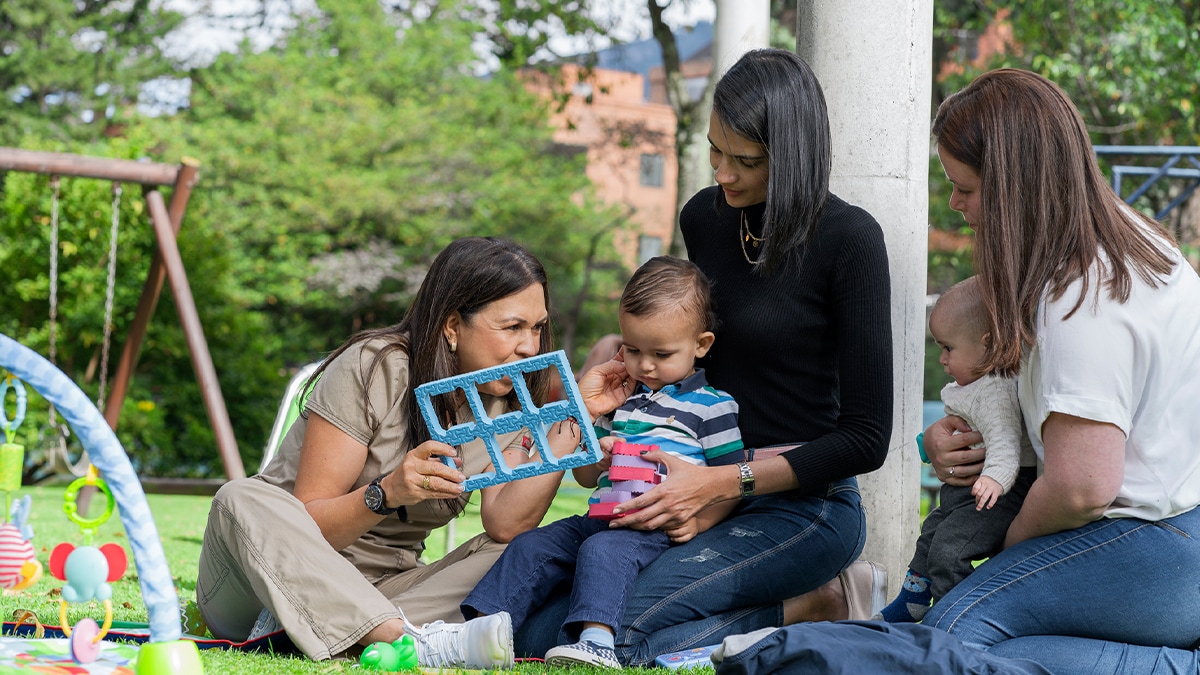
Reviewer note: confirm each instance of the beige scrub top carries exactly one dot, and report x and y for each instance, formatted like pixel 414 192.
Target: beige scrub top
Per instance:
pixel 393 545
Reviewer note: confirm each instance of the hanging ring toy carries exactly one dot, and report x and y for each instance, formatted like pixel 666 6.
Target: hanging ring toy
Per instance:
pixel 12 454
pixel 10 425
pixel 71 506
pixel 87 570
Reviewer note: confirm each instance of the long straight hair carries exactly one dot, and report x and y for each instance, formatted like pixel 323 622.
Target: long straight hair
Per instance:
pixel 465 277
pixel 1046 210
pixel 773 98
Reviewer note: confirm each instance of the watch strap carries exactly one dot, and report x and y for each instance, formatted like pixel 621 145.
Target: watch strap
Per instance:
pixel 746 475
pixel 383 509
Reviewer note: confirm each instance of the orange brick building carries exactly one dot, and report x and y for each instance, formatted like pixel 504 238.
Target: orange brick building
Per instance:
pixel 630 146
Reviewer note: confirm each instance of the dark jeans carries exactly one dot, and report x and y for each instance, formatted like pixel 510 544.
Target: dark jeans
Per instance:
pixel 1088 600
pixel 598 564
pixel 728 580
pixel 869 647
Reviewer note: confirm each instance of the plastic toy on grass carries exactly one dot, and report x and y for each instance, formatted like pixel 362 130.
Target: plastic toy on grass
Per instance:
pixel 530 416
pixel 87 570
pixel 12 454
pixel 390 656
pixel 630 475
pixel 165 653
pixel 699 657
pixel 19 566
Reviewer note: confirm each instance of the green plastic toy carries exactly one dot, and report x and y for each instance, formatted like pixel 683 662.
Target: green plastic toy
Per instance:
pixel 390 657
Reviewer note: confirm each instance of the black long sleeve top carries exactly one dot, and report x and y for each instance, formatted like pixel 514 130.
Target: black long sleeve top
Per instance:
pixel 806 351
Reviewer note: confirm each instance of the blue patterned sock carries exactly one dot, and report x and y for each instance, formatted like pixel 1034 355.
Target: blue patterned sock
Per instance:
pixel 912 603
pixel 598 636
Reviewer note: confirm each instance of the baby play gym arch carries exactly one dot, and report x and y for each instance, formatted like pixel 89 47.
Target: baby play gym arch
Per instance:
pixel 165 265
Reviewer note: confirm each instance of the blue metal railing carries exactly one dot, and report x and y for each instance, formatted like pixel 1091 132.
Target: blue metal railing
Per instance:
pixel 1173 154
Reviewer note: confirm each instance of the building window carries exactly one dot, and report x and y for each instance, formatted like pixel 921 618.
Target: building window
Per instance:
pixel 651 171
pixel 648 247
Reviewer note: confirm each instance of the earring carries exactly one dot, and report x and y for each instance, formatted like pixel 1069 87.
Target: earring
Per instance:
pixel 453 347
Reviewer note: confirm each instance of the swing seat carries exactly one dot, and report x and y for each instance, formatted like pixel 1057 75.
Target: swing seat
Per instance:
pixel 289 410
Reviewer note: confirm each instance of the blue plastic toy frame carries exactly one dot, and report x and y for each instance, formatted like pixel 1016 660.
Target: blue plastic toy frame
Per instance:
pixel 106 453
pixel 530 416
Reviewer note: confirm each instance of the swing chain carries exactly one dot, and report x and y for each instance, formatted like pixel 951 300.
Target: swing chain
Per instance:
pixel 61 430
pixel 54 185
pixel 110 291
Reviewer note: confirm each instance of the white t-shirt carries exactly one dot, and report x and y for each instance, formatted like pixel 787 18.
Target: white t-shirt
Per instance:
pixel 1135 365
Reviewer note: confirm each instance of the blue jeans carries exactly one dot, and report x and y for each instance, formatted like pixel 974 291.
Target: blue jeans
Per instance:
pixel 728 580
pixel 599 565
pixel 1086 600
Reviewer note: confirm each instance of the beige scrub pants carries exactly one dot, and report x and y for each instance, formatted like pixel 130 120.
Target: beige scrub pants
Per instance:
pixel 262 549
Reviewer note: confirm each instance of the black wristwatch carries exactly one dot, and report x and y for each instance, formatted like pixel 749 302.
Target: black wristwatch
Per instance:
pixel 376 499
pixel 747 478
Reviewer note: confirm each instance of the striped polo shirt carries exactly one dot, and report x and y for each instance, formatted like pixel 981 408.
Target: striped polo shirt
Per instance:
pixel 689 419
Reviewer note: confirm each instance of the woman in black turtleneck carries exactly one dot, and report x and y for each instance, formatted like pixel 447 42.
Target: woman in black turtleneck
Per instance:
pixel 802 290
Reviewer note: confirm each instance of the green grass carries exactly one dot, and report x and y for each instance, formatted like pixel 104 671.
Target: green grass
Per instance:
pixel 180 523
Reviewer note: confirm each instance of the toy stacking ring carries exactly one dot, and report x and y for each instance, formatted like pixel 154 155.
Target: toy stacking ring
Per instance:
pixel 71 506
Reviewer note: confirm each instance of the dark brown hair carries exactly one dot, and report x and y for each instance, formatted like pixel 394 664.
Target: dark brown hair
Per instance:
pixel 465 277
pixel 667 284
pixel 1046 211
pixel 772 97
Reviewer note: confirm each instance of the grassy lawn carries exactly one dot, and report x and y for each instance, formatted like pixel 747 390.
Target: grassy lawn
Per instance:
pixel 180 522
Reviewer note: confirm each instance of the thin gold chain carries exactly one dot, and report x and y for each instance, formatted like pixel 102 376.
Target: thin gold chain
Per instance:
pixel 744 236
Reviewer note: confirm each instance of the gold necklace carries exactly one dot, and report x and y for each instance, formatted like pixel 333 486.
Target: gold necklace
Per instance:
pixel 745 235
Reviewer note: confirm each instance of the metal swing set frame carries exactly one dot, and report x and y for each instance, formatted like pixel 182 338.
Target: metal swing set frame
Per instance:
pixel 166 265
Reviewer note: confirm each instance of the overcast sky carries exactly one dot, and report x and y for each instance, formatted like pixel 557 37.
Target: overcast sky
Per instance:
pixel 199 40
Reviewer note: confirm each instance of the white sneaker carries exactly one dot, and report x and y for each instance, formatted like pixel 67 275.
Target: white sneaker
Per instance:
pixel 582 653
pixel 481 643
pixel 733 645
pixel 865 585
pixel 266 624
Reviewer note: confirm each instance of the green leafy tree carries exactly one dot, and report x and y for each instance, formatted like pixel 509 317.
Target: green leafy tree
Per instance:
pixel 519 32
pixel 163 424
pixel 1130 66
pixel 71 70
pixel 334 165
pixel 339 161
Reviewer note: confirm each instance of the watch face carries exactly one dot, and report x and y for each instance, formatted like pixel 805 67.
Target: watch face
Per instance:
pixel 374 497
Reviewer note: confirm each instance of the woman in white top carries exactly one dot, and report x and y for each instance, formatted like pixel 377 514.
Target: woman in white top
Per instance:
pixel 1096 311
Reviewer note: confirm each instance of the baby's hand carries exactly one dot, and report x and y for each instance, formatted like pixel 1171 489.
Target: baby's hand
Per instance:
pixel 986 491
pixel 606 446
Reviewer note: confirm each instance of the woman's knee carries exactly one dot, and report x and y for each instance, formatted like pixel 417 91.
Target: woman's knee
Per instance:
pixel 245 495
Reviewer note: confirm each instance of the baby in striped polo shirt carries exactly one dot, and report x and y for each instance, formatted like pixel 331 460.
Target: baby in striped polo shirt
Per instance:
pixel 667 322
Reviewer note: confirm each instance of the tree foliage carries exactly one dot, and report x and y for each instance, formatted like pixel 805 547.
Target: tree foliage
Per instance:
pixel 68 69
pixel 334 165
pixel 1129 66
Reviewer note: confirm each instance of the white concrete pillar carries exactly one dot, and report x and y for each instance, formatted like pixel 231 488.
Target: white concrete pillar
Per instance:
pixel 740 25
pixel 874 61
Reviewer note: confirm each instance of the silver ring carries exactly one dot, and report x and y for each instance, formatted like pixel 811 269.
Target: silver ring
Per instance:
pixel 425 483
pixel 950 471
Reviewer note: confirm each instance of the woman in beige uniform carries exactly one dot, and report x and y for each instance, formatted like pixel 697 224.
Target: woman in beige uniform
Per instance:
pixel 325 543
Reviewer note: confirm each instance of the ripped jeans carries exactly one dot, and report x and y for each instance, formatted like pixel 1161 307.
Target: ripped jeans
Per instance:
pixel 730 579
